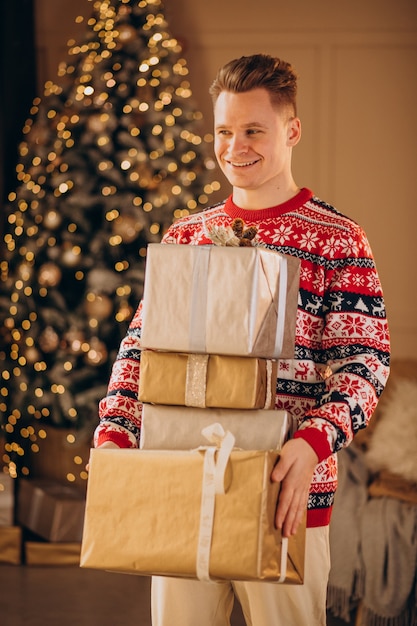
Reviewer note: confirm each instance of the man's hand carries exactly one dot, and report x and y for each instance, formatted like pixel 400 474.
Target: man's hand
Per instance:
pixel 294 470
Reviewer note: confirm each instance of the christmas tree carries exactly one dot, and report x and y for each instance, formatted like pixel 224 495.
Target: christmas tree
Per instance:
pixel 111 155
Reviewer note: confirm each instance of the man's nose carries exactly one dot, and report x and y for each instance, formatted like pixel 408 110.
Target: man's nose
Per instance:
pixel 239 144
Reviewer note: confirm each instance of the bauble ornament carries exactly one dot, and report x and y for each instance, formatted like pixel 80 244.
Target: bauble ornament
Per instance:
pixel 48 340
pixel 49 275
pixel 127 227
pixel 127 33
pixel 52 220
pixel 98 306
pixel 97 354
pixel 74 340
pixel 70 255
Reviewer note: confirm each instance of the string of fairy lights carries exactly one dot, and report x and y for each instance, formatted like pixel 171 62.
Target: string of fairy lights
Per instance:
pixel 109 157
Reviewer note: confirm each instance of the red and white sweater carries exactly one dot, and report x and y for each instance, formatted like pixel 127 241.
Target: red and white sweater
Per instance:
pixel 342 340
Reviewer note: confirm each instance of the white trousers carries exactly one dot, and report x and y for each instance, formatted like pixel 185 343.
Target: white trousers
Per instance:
pixel 183 602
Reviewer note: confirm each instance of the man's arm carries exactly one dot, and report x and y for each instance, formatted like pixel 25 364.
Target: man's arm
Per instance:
pixel 120 411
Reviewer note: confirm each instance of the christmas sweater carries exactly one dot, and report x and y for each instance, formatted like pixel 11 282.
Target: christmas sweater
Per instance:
pixel 341 362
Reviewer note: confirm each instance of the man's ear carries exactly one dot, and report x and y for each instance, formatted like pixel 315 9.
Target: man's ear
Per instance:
pixel 294 131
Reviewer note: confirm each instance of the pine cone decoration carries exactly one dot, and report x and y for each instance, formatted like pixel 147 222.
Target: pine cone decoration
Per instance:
pixel 236 235
pixel 245 236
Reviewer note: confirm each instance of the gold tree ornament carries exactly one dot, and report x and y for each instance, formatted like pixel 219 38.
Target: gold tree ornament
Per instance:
pixel 52 220
pixel 126 33
pixel 32 354
pixel 74 341
pixel 98 306
pixel 70 254
pixel 25 271
pixel 49 275
pixel 48 340
pixel 97 353
pixel 127 227
pixel 98 123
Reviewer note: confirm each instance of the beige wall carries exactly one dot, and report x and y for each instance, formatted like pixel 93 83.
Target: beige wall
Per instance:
pixel 357 63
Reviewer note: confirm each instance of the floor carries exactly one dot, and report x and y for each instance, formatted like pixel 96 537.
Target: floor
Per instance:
pixel 70 596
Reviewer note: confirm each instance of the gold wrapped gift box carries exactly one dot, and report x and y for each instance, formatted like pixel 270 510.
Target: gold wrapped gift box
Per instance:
pixel 11 545
pixel 179 428
pixel 53 511
pixel 203 380
pixel 52 554
pixel 220 300
pixel 154 499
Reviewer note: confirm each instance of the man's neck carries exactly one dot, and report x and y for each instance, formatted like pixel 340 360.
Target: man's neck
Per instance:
pixel 262 199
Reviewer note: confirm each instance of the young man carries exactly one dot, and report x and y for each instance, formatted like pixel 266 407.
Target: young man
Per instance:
pixel 342 344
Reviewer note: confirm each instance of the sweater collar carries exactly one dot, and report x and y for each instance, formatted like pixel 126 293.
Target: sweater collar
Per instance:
pixel 257 215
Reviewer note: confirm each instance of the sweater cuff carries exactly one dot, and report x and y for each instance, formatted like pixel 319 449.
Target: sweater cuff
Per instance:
pixel 121 439
pixel 317 440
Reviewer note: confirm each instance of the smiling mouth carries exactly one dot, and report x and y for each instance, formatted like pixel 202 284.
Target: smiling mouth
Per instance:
pixel 246 164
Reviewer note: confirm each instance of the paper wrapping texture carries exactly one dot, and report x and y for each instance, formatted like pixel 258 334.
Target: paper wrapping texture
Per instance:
pixel 11 545
pixel 201 380
pixel 51 510
pixel 179 428
pixel 6 499
pixel 220 300
pixel 153 498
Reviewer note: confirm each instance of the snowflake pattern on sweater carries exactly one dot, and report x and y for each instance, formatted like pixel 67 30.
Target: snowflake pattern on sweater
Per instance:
pixel 341 362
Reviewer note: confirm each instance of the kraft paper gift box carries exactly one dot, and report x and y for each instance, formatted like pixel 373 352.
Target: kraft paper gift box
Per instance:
pixel 220 300
pixel 164 526
pixel 180 428
pixel 52 554
pixel 203 380
pixel 11 545
pixel 53 511
pixel 6 499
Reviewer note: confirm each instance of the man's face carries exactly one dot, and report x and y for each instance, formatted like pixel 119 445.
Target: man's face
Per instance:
pixel 253 140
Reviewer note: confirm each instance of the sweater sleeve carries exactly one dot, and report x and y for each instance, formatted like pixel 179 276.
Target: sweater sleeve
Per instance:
pixel 354 348
pixel 120 410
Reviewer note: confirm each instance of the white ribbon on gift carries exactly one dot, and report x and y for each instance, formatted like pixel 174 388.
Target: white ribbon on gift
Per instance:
pixel 216 459
pixel 196 381
pixel 198 304
pixel 284 557
pixel 282 305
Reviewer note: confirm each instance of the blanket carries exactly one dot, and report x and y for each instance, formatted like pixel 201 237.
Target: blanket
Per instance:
pixel 345 579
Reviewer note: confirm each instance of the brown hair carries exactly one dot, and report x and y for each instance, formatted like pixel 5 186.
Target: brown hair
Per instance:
pixel 256 72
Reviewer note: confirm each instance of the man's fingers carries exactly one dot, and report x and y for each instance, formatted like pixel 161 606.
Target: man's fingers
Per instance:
pixel 290 511
pixel 294 471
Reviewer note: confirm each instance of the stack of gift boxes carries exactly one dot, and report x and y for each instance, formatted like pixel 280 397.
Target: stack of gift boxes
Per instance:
pixel 215 321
